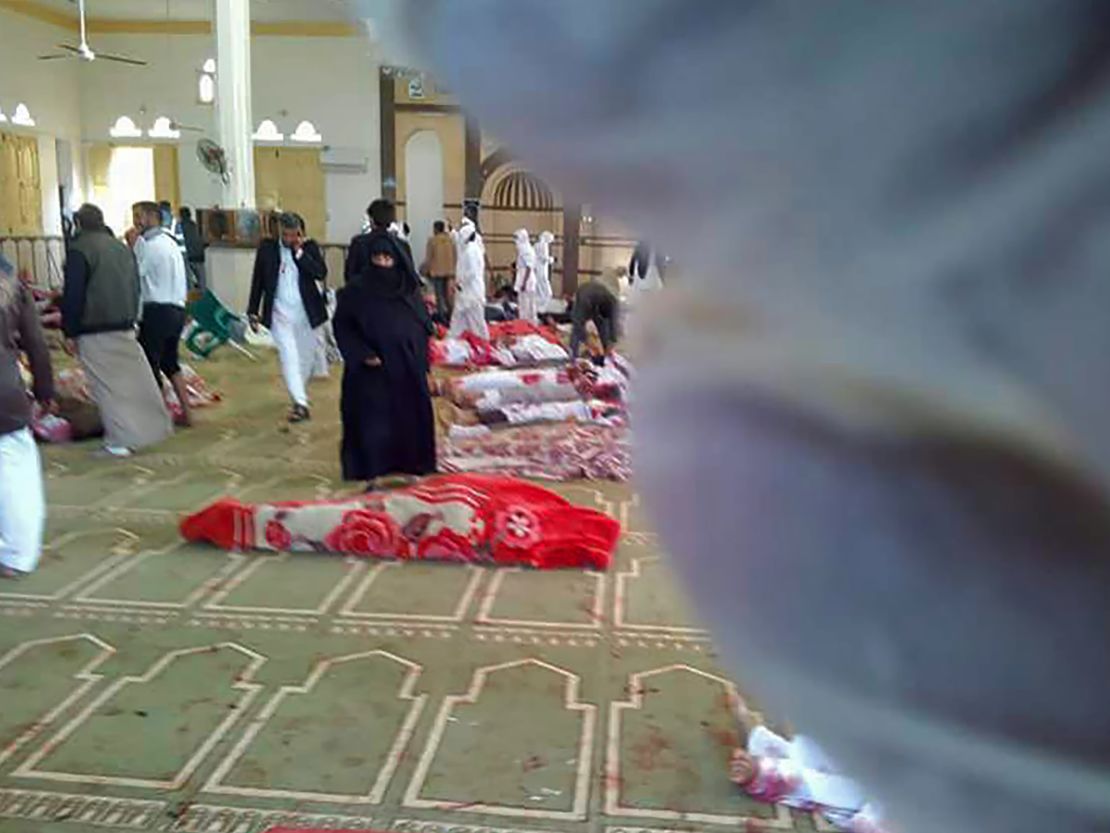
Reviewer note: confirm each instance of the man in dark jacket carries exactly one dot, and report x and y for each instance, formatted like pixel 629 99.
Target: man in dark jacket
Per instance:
pixel 287 298
pixel 593 302
pixel 189 232
pixel 440 262
pixel 383 214
pixel 100 306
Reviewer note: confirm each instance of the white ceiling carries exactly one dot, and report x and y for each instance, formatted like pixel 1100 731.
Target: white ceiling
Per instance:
pixel 267 10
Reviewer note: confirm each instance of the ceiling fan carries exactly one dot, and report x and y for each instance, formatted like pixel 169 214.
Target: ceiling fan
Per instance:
pixel 84 53
pixel 188 128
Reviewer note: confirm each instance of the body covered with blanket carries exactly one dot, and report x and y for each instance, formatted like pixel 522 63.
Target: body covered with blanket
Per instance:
pixel 468 518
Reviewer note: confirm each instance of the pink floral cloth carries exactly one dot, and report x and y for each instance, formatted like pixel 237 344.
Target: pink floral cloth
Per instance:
pixel 72 384
pixel 200 394
pixel 545 452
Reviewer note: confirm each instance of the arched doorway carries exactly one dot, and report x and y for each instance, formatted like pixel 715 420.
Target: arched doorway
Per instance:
pixel 423 187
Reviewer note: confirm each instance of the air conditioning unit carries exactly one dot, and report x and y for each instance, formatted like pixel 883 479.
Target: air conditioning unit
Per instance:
pixel 343 160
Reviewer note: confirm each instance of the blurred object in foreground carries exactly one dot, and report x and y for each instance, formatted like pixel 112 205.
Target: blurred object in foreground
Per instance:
pixel 873 426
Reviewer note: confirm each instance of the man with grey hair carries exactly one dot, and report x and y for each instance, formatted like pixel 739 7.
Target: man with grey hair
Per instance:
pixel 286 298
pixel 100 306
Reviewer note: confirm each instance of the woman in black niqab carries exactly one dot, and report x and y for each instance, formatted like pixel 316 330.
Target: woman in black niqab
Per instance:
pixel 382 328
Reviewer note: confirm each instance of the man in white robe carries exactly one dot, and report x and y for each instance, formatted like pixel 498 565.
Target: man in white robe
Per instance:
pixel 544 261
pixel 526 287
pixel 286 298
pixel 469 314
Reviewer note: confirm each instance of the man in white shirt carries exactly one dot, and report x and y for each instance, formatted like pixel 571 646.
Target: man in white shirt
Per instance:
pixel 163 288
pixel 286 297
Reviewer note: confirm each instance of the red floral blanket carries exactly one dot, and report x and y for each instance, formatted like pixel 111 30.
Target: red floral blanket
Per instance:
pixel 463 517
pixel 511 344
pixel 508 330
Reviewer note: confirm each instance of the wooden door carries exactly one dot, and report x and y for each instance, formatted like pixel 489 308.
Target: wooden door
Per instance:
pixel 99 164
pixel 267 179
pixel 20 186
pixel 302 186
pixel 166 178
pixel 291 179
pixel 30 186
pixel 9 186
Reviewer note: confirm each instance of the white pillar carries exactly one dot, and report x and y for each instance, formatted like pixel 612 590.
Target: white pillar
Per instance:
pixel 233 100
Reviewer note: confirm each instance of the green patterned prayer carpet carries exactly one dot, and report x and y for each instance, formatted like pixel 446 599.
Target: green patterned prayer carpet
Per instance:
pixel 151 685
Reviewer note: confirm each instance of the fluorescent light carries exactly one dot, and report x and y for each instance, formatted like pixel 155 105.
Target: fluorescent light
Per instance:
pixel 306 132
pixel 267 132
pixel 22 116
pixel 163 129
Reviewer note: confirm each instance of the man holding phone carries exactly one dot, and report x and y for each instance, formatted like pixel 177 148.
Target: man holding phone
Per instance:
pixel 286 298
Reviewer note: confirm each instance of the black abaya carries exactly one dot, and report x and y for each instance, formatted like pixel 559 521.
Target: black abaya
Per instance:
pixel 388 422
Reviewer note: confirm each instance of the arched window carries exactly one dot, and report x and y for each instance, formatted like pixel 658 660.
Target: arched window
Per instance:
pixel 22 116
pixel 206 82
pixel 163 129
pixel 306 132
pixel 267 132
pixel 125 128
pixel 206 89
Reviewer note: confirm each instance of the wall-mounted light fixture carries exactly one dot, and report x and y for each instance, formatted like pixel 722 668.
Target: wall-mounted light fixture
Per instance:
pixel 206 82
